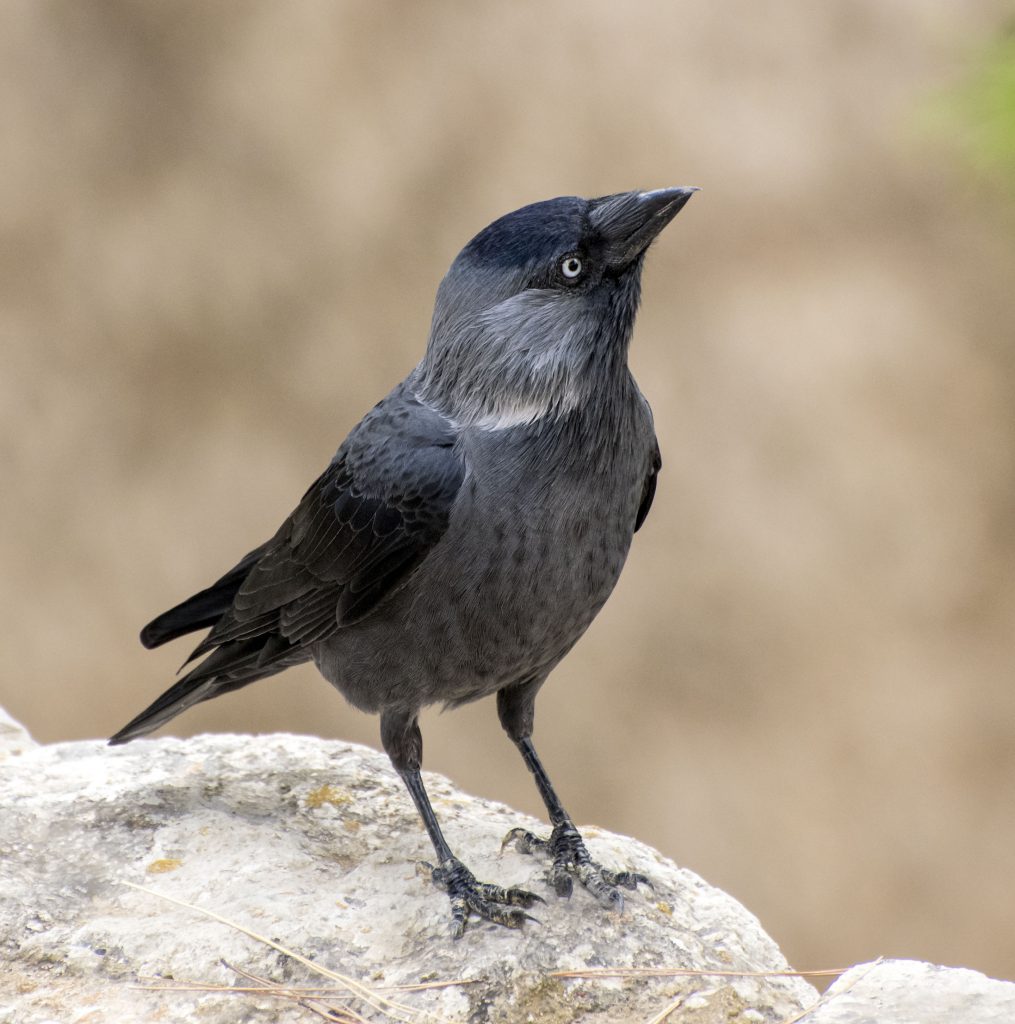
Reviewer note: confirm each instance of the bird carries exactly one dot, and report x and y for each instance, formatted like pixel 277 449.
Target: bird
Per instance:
pixel 471 525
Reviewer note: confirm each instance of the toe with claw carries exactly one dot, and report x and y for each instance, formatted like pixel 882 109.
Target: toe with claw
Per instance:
pixel 570 859
pixel 470 897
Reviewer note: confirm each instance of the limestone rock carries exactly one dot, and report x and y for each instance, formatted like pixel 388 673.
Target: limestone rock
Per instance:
pixel 909 992
pixel 14 738
pixel 314 845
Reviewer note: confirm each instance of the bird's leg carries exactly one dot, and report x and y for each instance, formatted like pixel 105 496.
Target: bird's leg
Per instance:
pixel 404 744
pixel 570 857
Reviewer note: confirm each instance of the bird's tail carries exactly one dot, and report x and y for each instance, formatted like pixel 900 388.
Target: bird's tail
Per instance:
pixel 202 610
pixel 229 667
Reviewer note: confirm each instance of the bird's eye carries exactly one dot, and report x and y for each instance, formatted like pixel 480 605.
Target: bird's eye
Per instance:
pixel 571 267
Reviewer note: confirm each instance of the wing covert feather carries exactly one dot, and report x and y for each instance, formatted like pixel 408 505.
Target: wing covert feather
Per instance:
pixel 359 531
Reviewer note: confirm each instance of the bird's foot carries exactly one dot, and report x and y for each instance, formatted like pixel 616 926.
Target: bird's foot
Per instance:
pixel 480 898
pixel 571 860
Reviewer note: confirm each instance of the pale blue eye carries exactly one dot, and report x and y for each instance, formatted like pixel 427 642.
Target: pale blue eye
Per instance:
pixel 571 267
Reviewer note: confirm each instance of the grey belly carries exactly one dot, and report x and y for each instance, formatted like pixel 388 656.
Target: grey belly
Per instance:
pixel 503 597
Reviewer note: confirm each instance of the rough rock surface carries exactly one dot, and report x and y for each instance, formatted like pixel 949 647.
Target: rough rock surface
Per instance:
pixel 313 845
pixel 910 992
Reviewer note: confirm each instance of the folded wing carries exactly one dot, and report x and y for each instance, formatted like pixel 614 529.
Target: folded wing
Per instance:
pixel 354 539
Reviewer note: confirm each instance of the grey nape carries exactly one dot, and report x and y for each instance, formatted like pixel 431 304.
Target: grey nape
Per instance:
pixel 471 525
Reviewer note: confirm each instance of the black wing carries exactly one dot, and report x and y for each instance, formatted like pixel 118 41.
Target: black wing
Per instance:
pixel 360 530
pixel 648 491
pixel 354 539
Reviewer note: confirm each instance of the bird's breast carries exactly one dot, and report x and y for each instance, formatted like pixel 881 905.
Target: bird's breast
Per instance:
pixel 537 540
pixel 539 546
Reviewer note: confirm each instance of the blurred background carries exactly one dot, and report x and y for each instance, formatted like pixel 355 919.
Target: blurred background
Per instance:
pixel 222 228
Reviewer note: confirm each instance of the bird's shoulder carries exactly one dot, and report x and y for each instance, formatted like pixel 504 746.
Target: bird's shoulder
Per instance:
pixel 367 521
pixel 402 443
pixel 399 470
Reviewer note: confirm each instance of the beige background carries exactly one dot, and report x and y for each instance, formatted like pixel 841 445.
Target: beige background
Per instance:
pixel 223 225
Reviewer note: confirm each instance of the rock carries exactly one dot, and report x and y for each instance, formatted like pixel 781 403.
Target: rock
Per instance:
pixel 14 738
pixel 909 992
pixel 314 845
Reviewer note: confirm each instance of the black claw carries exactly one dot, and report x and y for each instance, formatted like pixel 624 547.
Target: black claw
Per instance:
pixel 524 898
pixel 570 859
pixel 627 879
pixel 524 840
pixel 468 897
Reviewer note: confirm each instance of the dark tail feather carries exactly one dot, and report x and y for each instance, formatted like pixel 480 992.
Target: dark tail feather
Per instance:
pixel 203 609
pixel 229 667
pixel 233 665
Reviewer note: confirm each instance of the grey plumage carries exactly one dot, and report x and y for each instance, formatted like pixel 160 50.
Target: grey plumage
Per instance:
pixel 473 523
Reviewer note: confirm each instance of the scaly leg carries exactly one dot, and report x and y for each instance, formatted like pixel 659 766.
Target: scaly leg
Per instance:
pixel 570 857
pixel 404 744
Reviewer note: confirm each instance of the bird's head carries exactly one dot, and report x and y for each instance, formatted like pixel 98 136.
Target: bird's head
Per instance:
pixel 538 302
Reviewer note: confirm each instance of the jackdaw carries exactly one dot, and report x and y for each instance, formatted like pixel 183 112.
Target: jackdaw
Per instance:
pixel 471 525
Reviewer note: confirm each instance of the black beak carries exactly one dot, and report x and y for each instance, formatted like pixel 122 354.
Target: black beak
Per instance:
pixel 629 221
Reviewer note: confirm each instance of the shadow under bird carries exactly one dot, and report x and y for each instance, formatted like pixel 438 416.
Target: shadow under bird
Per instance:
pixel 471 525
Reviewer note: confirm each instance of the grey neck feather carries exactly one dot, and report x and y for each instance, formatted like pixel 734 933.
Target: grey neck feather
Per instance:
pixel 535 355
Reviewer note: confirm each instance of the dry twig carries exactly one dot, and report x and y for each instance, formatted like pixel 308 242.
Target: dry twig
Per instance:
pixel 825 997
pixel 350 986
